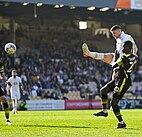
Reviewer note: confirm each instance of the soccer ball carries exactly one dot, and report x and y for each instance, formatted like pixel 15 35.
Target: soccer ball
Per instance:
pixel 10 48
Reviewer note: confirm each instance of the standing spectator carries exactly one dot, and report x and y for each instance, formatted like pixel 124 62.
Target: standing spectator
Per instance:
pixel 34 90
pixel 24 78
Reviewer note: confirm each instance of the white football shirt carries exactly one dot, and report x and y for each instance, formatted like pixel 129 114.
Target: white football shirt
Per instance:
pixel 120 42
pixel 15 82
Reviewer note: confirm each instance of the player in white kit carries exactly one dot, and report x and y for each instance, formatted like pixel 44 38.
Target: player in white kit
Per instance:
pixel 120 38
pixel 16 84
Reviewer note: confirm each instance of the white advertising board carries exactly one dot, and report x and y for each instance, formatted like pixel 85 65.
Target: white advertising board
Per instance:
pixel 136 4
pixel 45 104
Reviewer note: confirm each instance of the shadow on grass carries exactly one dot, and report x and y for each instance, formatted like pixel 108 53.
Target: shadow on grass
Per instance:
pixel 66 126
pixel 131 128
pixel 61 126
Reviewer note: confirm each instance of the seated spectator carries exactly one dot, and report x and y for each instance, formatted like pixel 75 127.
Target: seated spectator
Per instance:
pixel 82 89
pixel 138 90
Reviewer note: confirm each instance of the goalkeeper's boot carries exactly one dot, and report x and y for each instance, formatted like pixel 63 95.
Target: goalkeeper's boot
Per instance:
pixel 101 114
pixel 121 125
pixel 85 50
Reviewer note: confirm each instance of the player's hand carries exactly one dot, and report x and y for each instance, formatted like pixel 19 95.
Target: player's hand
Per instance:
pixel 8 93
pixel 85 50
pixel 8 90
pixel 8 83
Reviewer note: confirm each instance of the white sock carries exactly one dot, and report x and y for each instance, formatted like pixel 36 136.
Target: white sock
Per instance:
pixel 104 110
pixel 122 122
pixel 96 55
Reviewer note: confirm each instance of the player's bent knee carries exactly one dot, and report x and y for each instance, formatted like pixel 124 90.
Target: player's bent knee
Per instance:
pixel 104 90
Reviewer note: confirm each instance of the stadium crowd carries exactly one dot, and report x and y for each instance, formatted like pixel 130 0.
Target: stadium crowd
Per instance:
pixel 51 67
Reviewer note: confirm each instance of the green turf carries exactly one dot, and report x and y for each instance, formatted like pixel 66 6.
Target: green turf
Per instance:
pixel 72 123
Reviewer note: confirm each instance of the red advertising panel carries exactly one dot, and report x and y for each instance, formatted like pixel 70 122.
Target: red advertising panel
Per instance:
pixel 83 104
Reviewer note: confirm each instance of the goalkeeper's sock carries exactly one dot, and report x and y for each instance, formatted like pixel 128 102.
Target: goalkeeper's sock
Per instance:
pixel 104 101
pixel 104 110
pixel 121 122
pixel 116 111
pixel 96 55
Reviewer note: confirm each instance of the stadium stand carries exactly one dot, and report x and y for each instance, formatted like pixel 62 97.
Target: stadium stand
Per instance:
pixel 51 65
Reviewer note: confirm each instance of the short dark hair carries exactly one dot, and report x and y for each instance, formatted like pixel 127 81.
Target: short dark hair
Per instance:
pixel 13 70
pixel 115 27
pixel 128 46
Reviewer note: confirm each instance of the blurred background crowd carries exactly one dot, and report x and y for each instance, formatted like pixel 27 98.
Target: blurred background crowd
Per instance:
pixel 52 66
pixel 49 57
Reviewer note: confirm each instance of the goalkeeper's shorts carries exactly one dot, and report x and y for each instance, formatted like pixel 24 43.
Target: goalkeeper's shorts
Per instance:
pixel 119 87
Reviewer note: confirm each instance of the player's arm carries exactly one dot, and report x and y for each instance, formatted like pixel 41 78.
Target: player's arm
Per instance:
pixel 21 86
pixel 115 67
pixel 2 75
pixel 106 57
pixel 5 80
pixel 8 86
pixel 118 63
pixel 135 48
pixel 8 89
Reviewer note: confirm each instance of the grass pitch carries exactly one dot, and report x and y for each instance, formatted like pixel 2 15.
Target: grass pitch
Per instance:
pixel 72 123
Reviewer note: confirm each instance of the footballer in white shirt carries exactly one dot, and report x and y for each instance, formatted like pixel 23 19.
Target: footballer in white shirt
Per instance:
pixel 120 38
pixel 16 84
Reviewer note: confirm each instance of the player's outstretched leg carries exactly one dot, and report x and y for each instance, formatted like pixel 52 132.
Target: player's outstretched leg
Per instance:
pixel 85 50
pixel 95 55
